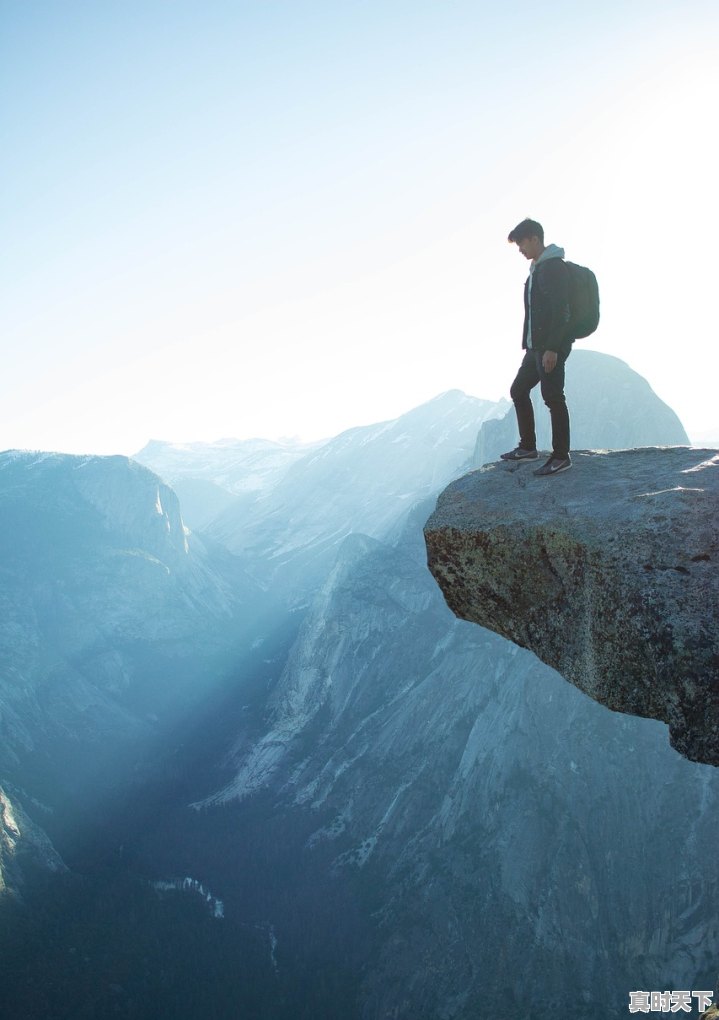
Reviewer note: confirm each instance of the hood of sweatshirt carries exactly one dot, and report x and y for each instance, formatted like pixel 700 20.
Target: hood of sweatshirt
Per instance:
pixel 552 251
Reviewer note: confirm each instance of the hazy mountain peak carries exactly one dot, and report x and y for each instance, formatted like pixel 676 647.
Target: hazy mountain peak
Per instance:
pixel 611 407
pixel 364 480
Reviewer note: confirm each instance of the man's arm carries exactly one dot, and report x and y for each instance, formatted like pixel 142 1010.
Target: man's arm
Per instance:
pixel 558 288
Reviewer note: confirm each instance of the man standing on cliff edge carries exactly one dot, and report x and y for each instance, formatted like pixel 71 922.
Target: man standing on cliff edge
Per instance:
pixel 547 347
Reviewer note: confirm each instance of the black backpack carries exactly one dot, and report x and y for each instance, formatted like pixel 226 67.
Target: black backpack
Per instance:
pixel 583 301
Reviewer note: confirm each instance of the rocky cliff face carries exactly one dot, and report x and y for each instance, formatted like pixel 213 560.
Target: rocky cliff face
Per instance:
pixel 114 622
pixel 22 844
pixel 455 787
pixel 452 782
pixel 608 573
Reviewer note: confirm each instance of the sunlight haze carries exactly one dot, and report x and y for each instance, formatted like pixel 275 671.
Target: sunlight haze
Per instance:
pixel 289 218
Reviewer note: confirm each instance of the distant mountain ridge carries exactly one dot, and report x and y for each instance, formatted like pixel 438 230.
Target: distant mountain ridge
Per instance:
pixel 610 406
pixel 208 477
pixel 238 465
pixel 363 480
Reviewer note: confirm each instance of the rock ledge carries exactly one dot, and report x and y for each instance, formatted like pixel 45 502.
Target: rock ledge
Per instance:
pixel 608 573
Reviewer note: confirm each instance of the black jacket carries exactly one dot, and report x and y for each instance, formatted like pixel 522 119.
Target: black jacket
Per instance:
pixel 550 307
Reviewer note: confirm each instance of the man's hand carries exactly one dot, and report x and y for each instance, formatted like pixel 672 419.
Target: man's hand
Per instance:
pixel 549 361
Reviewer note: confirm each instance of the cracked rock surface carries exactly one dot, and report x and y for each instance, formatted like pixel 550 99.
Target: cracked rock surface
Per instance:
pixel 607 572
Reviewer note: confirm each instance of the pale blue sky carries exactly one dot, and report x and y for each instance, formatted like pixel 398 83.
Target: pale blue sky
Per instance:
pixel 274 218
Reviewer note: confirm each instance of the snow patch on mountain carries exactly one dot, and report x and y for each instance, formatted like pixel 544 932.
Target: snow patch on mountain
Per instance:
pixel 22 841
pixel 196 888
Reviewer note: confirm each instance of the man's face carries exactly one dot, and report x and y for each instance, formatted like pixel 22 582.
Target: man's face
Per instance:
pixel 530 247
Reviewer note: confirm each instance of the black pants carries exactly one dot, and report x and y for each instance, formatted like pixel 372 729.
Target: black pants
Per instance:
pixel 529 374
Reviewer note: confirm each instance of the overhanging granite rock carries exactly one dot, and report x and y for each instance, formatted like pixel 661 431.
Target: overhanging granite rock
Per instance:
pixel 608 573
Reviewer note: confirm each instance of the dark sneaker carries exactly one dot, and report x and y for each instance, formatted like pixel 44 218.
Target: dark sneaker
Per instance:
pixel 519 454
pixel 554 466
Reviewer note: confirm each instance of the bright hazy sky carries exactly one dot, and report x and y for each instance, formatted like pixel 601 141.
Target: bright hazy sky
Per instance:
pixel 284 217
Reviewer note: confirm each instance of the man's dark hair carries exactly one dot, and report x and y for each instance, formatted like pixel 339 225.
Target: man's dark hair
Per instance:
pixel 525 229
